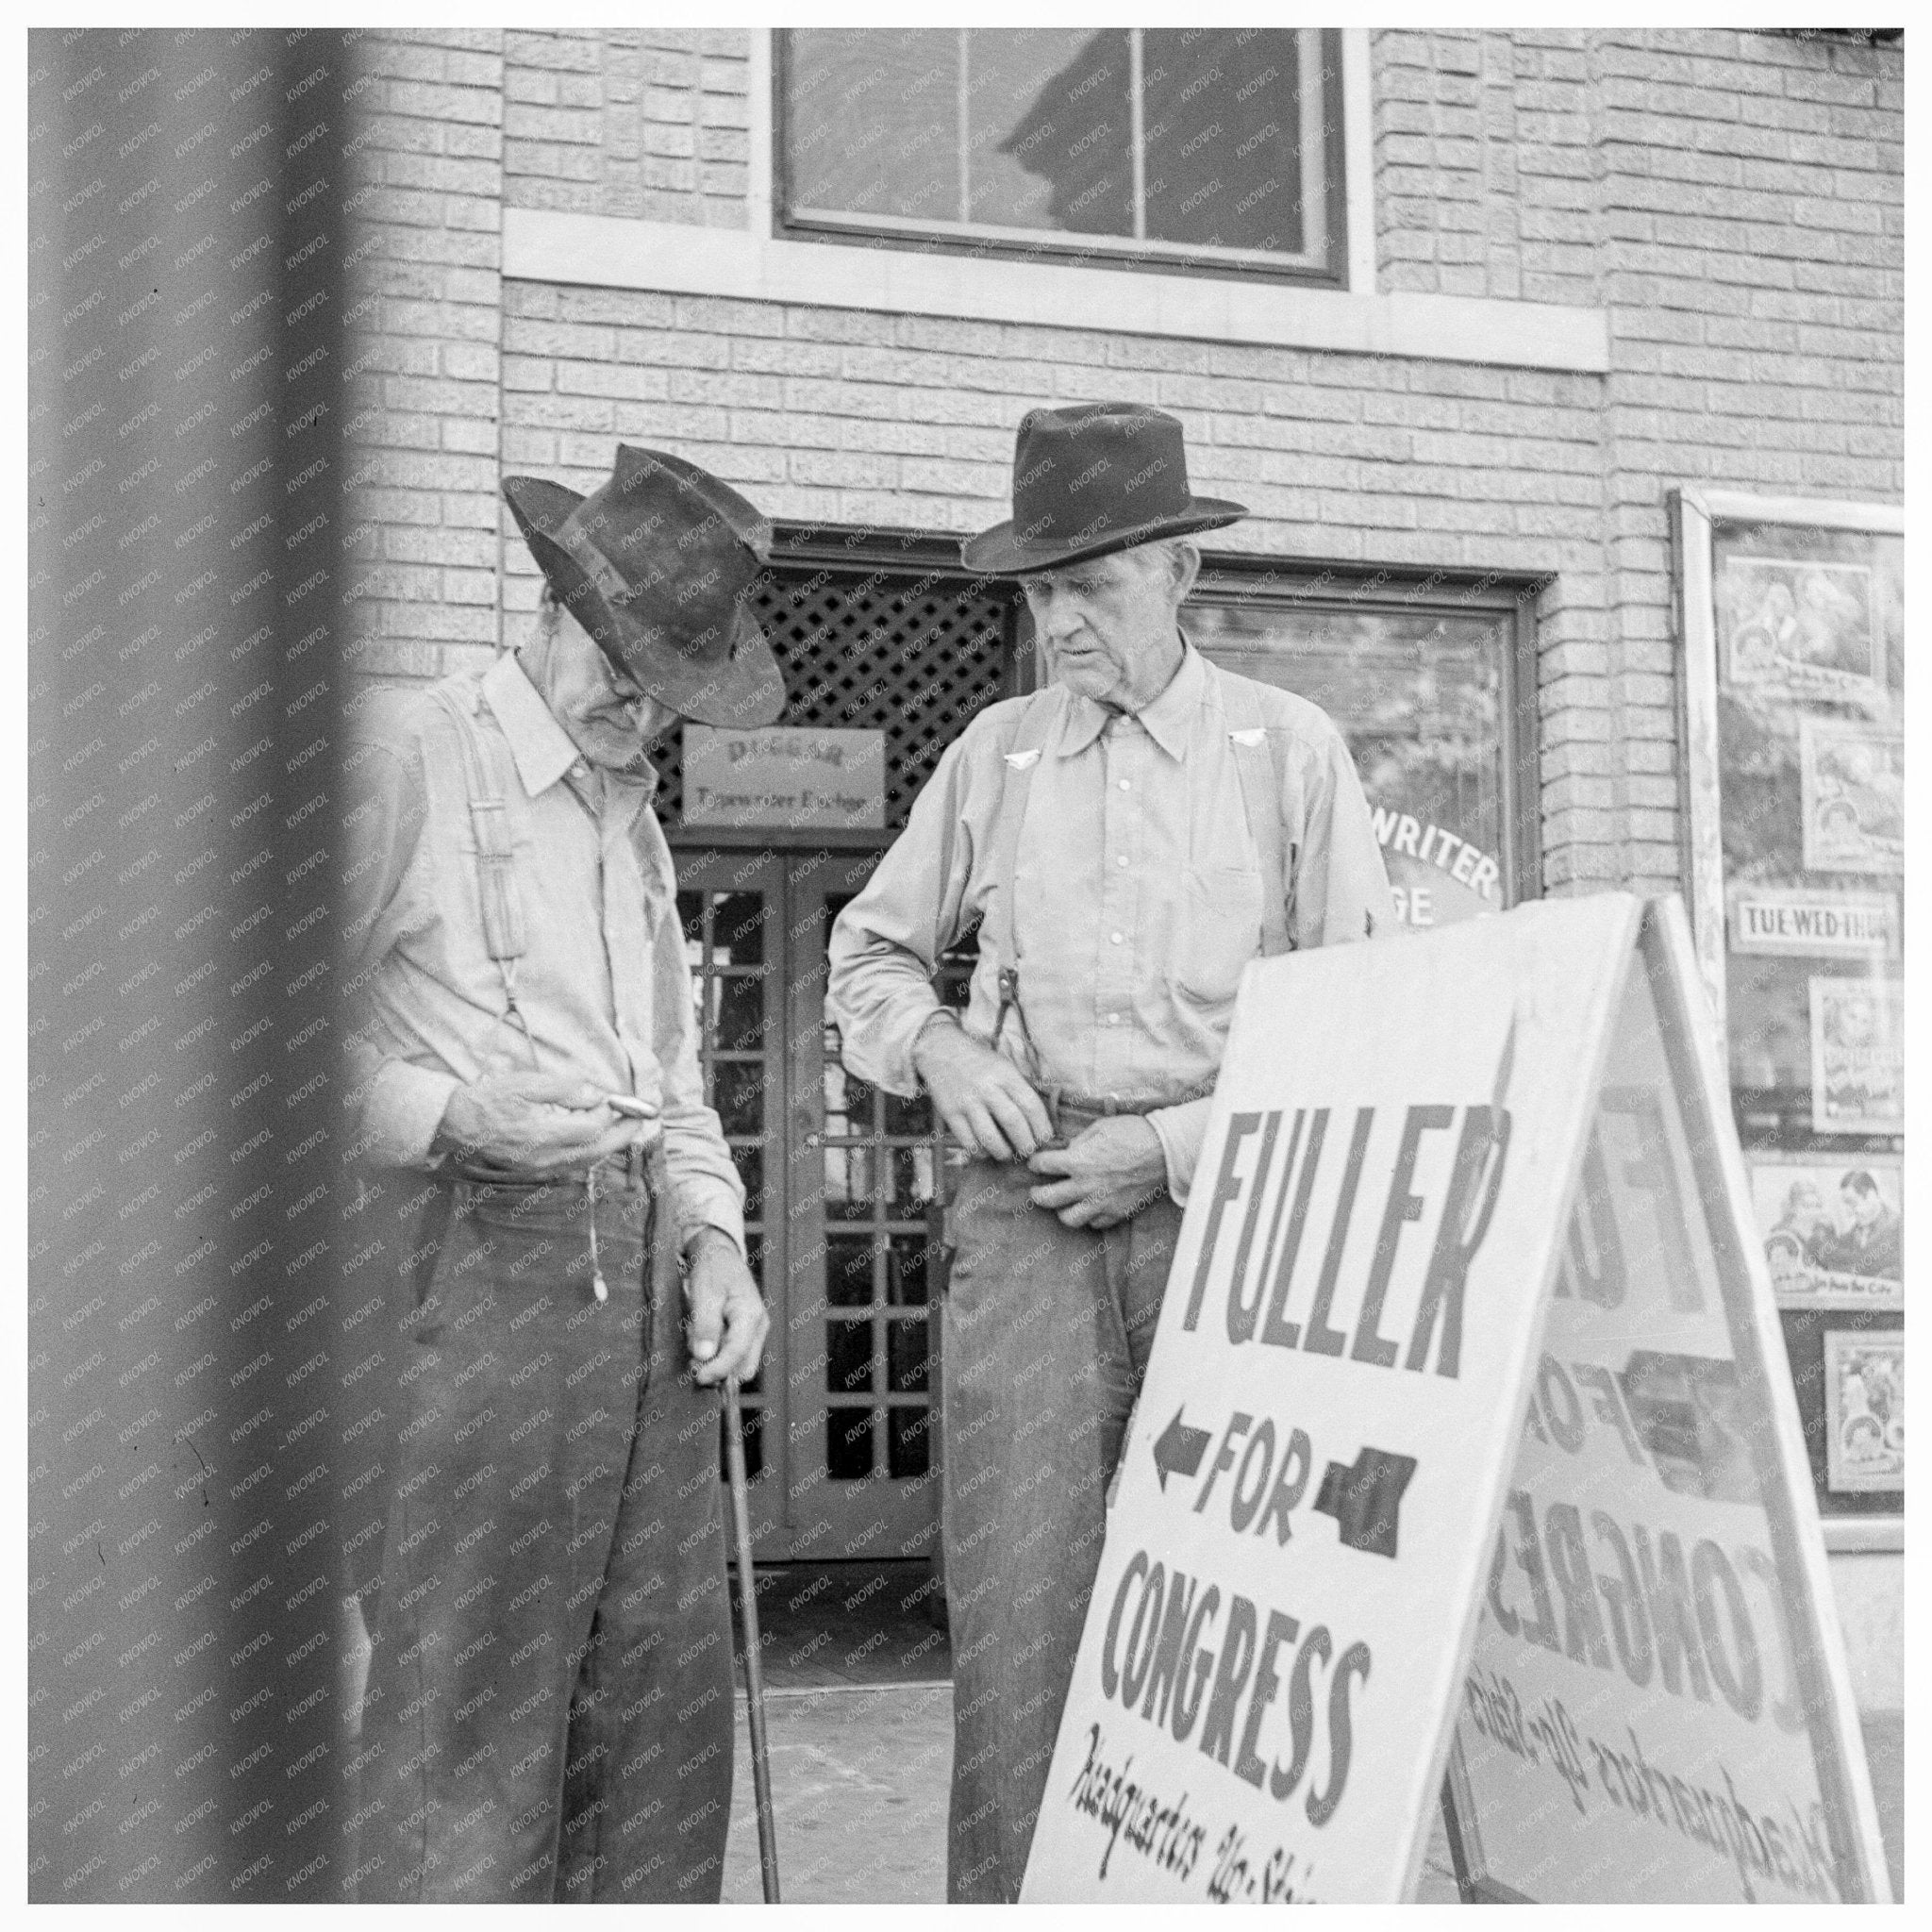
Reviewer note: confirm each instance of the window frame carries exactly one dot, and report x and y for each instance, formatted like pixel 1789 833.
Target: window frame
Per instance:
pixel 1305 584
pixel 985 241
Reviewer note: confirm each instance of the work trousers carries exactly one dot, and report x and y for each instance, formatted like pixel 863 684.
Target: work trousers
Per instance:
pixel 1047 1331
pixel 549 1713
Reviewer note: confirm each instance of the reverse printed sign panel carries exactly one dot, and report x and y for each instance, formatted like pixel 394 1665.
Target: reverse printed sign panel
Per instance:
pixel 1274 1651
pixel 1655 1707
pixel 785 776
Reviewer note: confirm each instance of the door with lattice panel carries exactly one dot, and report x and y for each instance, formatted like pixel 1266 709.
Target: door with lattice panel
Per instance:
pixel 841 1179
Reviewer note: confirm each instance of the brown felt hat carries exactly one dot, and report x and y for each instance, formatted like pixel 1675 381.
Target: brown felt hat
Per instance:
pixel 1093 478
pixel 658 564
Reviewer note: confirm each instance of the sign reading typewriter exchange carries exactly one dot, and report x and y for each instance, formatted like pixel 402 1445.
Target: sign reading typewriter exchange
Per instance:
pixel 784 774
pixel 1330 1443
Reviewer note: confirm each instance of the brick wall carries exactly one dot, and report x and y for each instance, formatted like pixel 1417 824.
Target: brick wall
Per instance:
pixel 425 293
pixel 650 122
pixel 1732 201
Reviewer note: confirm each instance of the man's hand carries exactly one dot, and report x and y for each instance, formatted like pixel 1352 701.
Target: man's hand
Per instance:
pixel 536 1123
pixel 982 1097
pixel 1113 1168
pixel 728 1321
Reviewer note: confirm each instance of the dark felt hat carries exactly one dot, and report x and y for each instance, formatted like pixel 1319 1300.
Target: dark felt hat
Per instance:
pixel 1093 479
pixel 658 564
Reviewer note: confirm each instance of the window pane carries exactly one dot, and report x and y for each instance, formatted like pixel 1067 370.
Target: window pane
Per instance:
pixel 1052 154
pixel 738 1091
pixel 909 1430
pixel 738 928
pixel 1419 698
pixel 849 1357
pixel 848 1445
pixel 1223 137
pixel 849 1179
pixel 848 1273
pixel 906 1357
pixel 738 1014
pixel 872 121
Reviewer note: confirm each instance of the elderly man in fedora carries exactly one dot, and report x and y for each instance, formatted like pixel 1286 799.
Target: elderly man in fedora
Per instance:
pixel 1127 840
pixel 548 1714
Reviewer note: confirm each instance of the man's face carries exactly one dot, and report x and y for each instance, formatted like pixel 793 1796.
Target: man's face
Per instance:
pixel 604 713
pixel 1863 1209
pixel 1108 625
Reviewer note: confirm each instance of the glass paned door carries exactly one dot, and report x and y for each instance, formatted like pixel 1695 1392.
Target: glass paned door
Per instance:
pixel 841 1426
pixel 731 908
pixel 863 1303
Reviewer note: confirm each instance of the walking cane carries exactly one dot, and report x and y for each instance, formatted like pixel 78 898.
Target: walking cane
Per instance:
pixel 754 1659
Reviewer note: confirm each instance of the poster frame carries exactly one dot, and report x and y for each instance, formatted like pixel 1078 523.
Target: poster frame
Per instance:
pixel 1667 954
pixel 1692 510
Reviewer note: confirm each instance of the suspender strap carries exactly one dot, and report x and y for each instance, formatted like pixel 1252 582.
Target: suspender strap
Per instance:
pixel 1257 757
pixel 502 903
pixel 1034 727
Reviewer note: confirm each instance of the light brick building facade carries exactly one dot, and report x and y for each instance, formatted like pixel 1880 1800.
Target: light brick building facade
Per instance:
pixel 1581 270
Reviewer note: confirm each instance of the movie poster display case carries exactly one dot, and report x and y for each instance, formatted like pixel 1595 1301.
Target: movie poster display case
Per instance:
pixel 1792 622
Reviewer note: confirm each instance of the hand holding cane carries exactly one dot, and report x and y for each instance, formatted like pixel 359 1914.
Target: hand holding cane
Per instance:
pixel 754 1660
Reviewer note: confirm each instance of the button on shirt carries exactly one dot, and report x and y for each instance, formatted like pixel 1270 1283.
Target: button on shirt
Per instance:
pixel 604 983
pixel 1138 896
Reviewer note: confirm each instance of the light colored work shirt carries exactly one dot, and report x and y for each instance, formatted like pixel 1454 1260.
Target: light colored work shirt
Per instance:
pixel 1138 897
pixel 604 983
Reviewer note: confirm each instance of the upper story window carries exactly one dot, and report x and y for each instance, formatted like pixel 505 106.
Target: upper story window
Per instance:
pixel 1208 149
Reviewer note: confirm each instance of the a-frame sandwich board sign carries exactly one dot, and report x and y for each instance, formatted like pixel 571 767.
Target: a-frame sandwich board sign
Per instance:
pixel 1345 1541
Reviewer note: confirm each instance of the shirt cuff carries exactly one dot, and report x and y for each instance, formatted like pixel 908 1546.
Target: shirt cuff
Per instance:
pixel 885 1058
pixel 401 1112
pixel 1181 1130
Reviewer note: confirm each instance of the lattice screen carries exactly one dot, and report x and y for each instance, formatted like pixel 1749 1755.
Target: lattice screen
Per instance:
pixel 913 657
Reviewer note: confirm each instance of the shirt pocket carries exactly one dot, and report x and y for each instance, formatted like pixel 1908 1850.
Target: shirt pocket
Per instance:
pixel 1219 931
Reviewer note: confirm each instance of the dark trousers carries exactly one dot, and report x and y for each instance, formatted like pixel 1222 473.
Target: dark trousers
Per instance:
pixel 1047 1334
pixel 549 1712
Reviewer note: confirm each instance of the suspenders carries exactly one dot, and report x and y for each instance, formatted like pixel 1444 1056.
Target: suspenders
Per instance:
pixel 497 880
pixel 1259 765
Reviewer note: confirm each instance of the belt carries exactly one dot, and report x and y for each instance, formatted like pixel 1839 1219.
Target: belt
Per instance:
pixel 1063 1108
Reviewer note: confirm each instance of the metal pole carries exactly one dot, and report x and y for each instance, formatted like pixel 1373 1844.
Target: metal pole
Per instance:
pixel 754 1659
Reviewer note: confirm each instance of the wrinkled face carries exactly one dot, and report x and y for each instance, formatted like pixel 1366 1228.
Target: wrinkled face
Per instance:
pixel 604 713
pixel 1108 625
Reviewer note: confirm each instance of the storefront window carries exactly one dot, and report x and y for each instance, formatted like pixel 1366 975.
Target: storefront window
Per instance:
pixel 1794 630
pixel 1419 691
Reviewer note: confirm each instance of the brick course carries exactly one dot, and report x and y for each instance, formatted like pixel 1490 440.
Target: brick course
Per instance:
pixel 1732 200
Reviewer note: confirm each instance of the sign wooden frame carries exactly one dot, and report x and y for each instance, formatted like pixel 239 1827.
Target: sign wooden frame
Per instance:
pixel 1668 957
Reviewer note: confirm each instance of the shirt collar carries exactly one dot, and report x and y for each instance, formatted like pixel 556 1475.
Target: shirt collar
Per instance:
pixel 1167 720
pixel 541 747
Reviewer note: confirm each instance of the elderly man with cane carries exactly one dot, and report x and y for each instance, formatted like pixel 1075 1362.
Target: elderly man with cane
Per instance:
pixel 1127 840
pixel 549 1709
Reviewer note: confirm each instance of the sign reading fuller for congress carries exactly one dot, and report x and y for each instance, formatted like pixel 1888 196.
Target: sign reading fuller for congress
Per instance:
pixel 1325 1453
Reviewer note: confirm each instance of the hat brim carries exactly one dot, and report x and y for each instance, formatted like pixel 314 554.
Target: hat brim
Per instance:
pixel 996 553
pixel 747 691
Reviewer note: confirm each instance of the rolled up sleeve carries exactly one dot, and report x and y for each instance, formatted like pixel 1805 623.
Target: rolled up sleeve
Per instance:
pixel 705 1183
pixel 886 944
pixel 400 1105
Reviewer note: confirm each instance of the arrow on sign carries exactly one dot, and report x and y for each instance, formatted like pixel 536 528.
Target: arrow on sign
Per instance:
pixel 1365 1499
pixel 1178 1449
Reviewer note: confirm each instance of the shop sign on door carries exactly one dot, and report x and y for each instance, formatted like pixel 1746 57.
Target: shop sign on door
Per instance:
pixel 1364 1503
pixel 785 776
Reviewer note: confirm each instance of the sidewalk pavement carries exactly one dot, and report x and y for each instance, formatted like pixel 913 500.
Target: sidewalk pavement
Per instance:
pixel 858 1791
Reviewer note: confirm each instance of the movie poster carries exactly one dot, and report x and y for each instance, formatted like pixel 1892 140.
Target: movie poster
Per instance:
pixel 1852 782
pixel 1857 1074
pixel 1801 629
pixel 1833 1229
pixel 1864 1411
